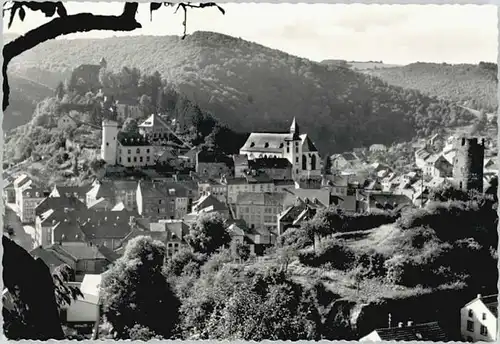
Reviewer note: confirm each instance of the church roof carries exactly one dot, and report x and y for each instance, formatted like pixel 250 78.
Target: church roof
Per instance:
pixel 307 144
pixel 270 142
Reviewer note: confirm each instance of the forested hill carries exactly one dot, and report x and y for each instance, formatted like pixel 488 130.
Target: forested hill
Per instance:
pixel 252 87
pixel 474 84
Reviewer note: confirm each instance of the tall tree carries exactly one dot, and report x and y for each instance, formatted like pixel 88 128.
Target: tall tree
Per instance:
pixel 208 233
pixel 136 292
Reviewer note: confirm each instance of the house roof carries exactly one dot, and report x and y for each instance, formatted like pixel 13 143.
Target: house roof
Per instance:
pixel 260 198
pixel 421 332
pixel 83 252
pixel 49 257
pixel 153 121
pixel 284 182
pixel 422 153
pixel 322 195
pixel 162 189
pixel 107 224
pixel 59 203
pixel 490 301
pixel 209 201
pixel 77 191
pixel 391 199
pixel 21 180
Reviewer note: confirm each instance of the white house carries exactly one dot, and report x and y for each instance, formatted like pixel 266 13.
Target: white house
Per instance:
pixel 86 309
pixel 297 148
pixel 479 319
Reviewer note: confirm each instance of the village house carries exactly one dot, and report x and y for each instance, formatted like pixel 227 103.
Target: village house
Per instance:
pixel 258 239
pixel 114 192
pixel 430 332
pixel 297 148
pixel 31 198
pixel 437 166
pixel 213 187
pixel 21 183
pixel 161 200
pixel 479 319
pixel 9 192
pixel 208 203
pixel 275 168
pixel 294 215
pixel 84 310
pixel 377 148
pixel 154 127
pixel 372 202
pixel 213 165
pixel 250 182
pixel 125 149
pixel 421 157
pixel 83 258
pixel 241 166
pixel 65 122
pixel 260 210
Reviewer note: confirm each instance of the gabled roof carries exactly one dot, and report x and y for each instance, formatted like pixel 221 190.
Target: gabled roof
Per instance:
pixel 270 142
pixel 490 301
pixel 307 144
pixel 153 121
pixel 209 201
pixel 422 332
pixel 59 203
pixel 162 189
pixel 107 224
pixel 76 191
pixel 213 157
pixel 21 180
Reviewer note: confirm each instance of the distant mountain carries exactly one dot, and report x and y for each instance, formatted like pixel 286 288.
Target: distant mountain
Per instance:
pixel 254 88
pixel 359 65
pixel 472 85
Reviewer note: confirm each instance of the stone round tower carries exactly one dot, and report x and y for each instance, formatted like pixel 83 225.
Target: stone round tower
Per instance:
pixel 468 164
pixel 109 143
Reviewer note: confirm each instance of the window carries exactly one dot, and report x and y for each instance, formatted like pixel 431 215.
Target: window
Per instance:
pixel 135 159
pixel 128 159
pixel 147 158
pixel 120 159
pixel 147 150
pixel 138 150
pixel 107 143
pixel 129 151
pixel 484 330
pixel 484 316
pixel 140 159
pixel 470 326
pixel 297 150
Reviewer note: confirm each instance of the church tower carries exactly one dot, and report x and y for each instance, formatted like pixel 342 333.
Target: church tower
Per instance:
pixel 109 143
pixel 293 149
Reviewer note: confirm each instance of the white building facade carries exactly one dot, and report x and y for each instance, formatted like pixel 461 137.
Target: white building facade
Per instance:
pixel 479 319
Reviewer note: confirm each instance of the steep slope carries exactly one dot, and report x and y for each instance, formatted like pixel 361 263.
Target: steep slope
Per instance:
pixel 252 87
pixel 474 84
pixel 25 94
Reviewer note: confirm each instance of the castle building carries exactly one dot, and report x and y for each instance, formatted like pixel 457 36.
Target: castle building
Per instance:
pixel 297 148
pixel 468 166
pixel 127 150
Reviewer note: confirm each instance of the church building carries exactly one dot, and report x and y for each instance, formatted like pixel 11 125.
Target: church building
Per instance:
pixel 297 148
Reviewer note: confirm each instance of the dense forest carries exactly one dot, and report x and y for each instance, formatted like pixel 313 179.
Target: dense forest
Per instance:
pixel 250 87
pixel 474 84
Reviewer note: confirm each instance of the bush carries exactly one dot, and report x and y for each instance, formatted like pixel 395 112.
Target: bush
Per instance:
pixel 371 264
pixel 295 237
pixel 332 252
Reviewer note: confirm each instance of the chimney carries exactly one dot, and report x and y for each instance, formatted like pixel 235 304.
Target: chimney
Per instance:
pixel 400 324
pixel 390 320
pixel 410 323
pixel 479 296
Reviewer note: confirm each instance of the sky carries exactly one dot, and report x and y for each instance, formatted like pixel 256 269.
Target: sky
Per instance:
pixel 396 34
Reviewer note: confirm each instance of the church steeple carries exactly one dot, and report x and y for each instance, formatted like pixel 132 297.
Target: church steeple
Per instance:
pixel 294 128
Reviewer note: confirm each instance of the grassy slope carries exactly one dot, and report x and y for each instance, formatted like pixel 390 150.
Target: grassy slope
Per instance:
pixel 252 87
